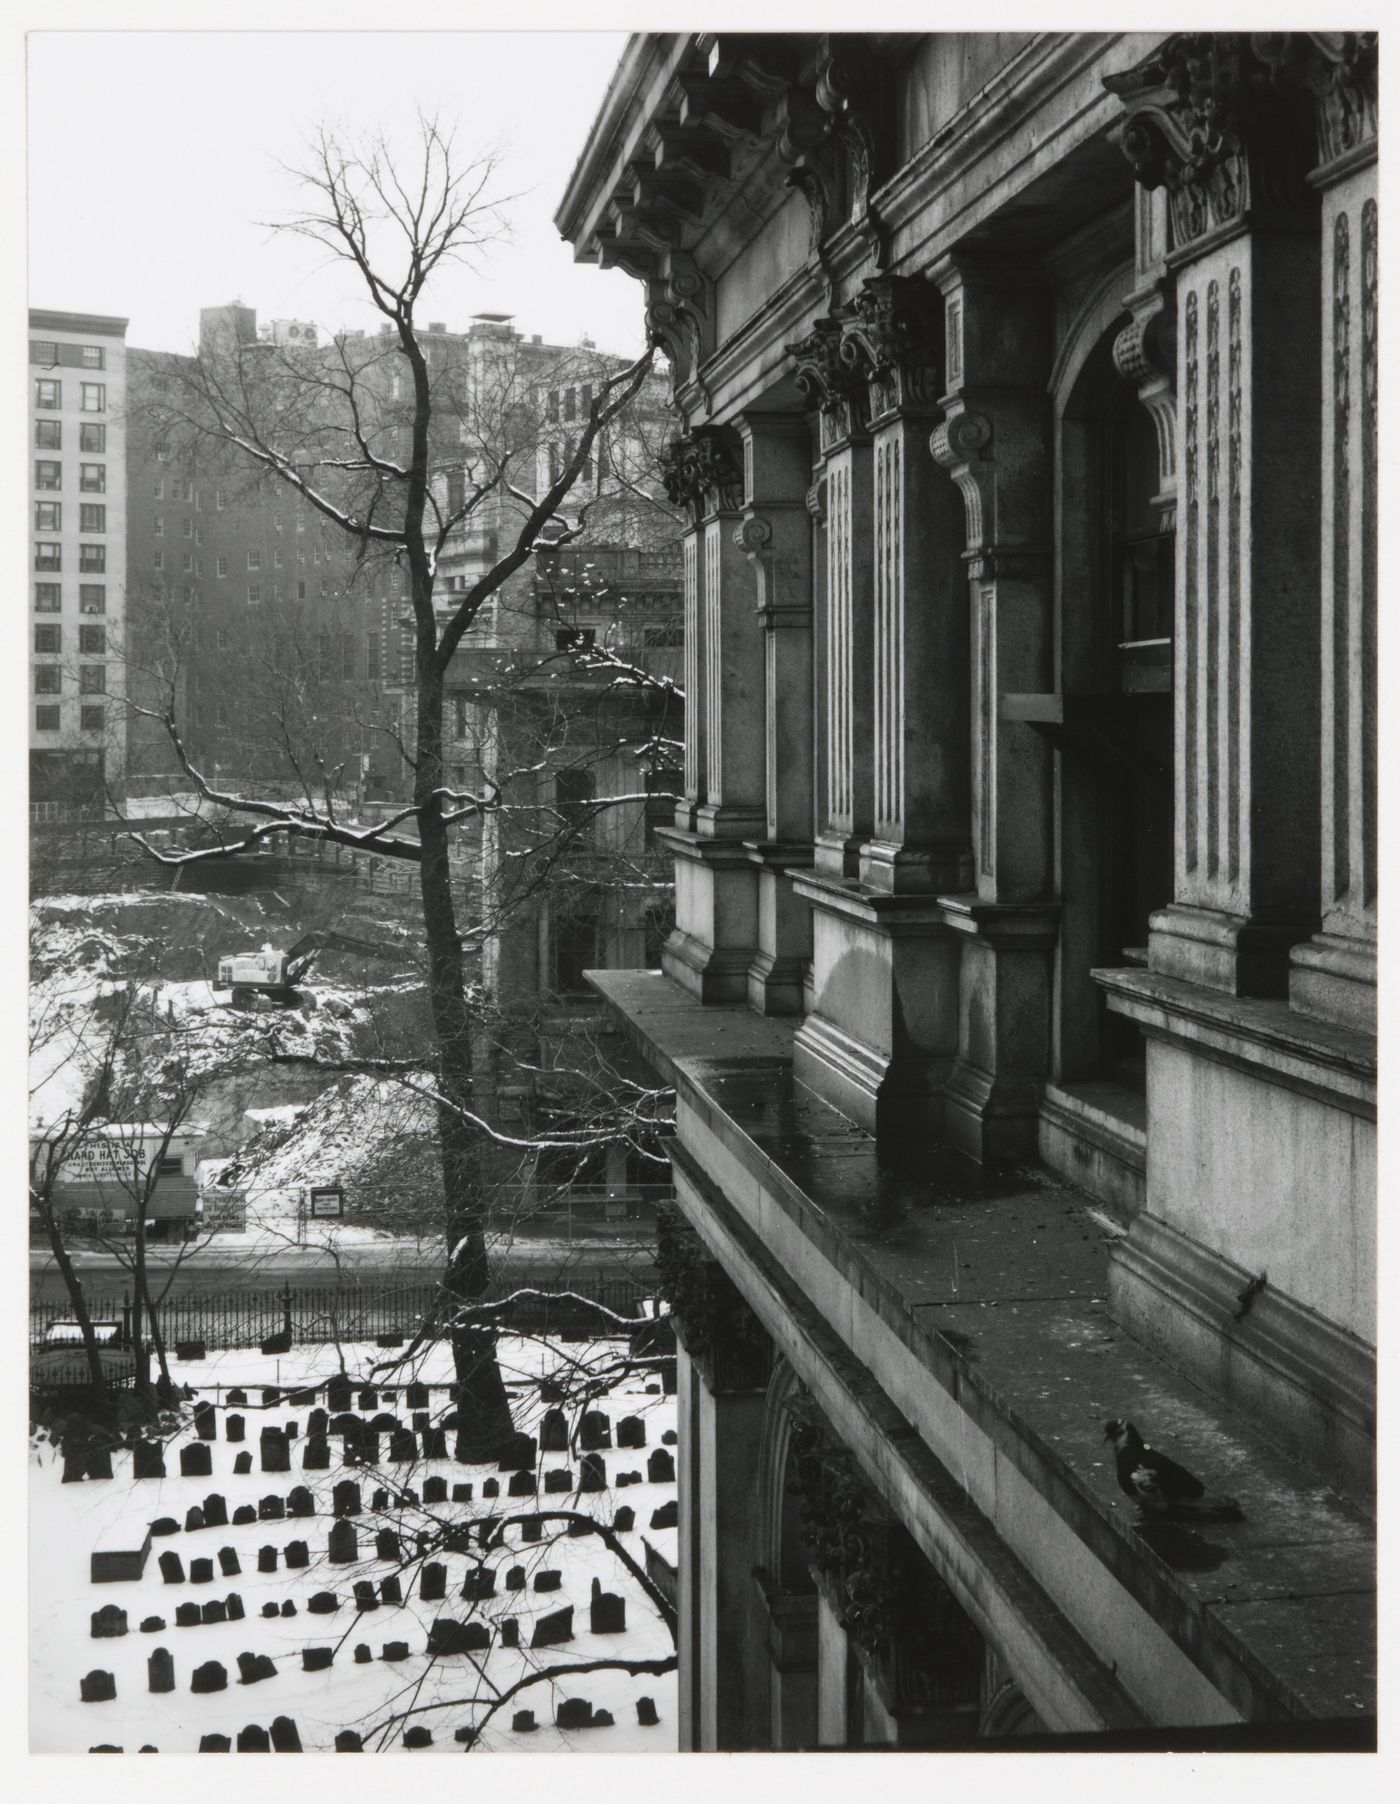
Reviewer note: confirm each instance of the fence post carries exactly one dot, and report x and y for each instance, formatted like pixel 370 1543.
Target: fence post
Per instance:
pixel 126 1318
pixel 286 1309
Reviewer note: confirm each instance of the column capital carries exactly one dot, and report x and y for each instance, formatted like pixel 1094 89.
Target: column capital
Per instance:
pixel 830 384
pixel 704 472
pixel 1205 119
pixel 891 338
pixel 1338 72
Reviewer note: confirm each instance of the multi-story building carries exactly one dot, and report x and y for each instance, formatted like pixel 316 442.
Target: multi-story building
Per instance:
pixel 77 741
pixel 1021 1002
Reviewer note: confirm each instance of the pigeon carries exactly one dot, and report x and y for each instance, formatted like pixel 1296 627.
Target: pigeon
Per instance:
pixel 1158 1485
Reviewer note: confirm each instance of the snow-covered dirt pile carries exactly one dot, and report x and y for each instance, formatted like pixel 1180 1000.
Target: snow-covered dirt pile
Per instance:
pixel 334 1611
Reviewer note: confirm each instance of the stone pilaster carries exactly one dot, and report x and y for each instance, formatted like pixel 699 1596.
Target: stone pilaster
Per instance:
pixel 1206 123
pixel 776 537
pixel 994 441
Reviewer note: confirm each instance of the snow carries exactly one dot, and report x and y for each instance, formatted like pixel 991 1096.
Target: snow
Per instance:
pixel 68 1521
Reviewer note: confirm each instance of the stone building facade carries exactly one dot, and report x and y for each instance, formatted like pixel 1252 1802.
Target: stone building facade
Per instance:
pixel 1021 1002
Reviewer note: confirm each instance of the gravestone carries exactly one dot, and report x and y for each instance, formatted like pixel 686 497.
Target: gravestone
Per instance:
pixel 254 1668
pixel 215 1511
pixel 152 1625
pixel 403 1447
pixel 316 1659
pixel 236 1396
pixel 559 1480
pixel 388 1340
pixel 386 1544
pixel 148 1460
pixel 214 1744
pixel 435 1490
pixel 324 1603
pixel 285 1739
pixel 338 1393
pixel 661 1468
pixel 345 1498
pixel 594 1431
pixel 631 1432
pixel 206 1421
pixel 295 1555
pixel 551 1390
pixel 288 1607
pixel 228 1562
pixel 421 1419
pixel 233 1603
pixel 448 1636
pixel 367 1399
pixel 602 1719
pixel 625 1519
pixel 342 1544
pixel 253 1739
pixel 669 1438
pixel 270 1609
pixel 209 1677
pixel 274 1454
pixel 271 1508
pixel 515 1579
pixel 347 1741
pixel 234 1427
pixel 300 1502
pixel 345 1422
pixel 432 1582
pixel 363 1656
pixel 518 1455
pixel 289 1428
pixel 188 1616
pixel 592 1473
pixel 108 1622
pixel 245 1513
pixel 379 1499
pixel 303 1399
pixel 667 1516
pixel 578 1527
pixel 391 1589
pixel 548 1580
pixel 316 1454
pixel 384 1423
pixel 160 1670
pixel 267 1559
pixel 172 1567
pixel 189 1349
pixel 531 1529
pixel 574 1713
pixel 607 1612
pixel 270 1395
pixel 242 1463
pixel 365 1596
pixel 653 1390
pixel 510 1632
pixel 417 1396
pixel 646 1713
pixel 461 1493
pixel 195 1460
pixel 490 1488
pixel 216 1610
pixel 317 1423
pixel 418 1737
pixel 201 1572
pixel 408 1498
pixel 279 1343
pixel 522 1484
pixel 105 1747
pixel 523 1722
pixel 622 1479
pixel 554 1432
pixel 479 1583
pixel 394 1650
pixel 165 1525
pixel 434 1443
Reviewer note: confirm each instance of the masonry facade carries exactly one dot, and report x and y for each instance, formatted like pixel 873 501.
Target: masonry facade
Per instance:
pixel 1021 1002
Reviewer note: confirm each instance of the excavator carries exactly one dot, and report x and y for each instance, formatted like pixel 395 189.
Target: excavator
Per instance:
pixel 275 975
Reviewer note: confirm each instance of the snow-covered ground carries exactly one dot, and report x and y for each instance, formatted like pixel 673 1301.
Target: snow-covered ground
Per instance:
pixel 443 1693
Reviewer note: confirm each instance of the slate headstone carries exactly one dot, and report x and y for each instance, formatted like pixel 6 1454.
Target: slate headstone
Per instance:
pixel 279 1343
pixel 345 1498
pixel 234 1428
pixel 216 1610
pixel 490 1488
pixel 148 1460
pixel 522 1484
pixel 363 1656
pixel 152 1625
pixel 461 1493
pixel 237 1396
pixel 548 1580
pixel 418 1737
pixel 212 1676
pixel 417 1396
pixel 366 1598
pixel 288 1607
pixel 625 1519
pixel 558 1480
pixel 338 1393
pixel 432 1582
pixel 667 1516
pixel 661 1467
pixel 316 1659
pixel 379 1499
pixel 386 1544
pixel 592 1473
pixel 434 1443
pixel 574 1713
pixel 267 1559
pixel 254 1668
pixel 97 1687
pixel 403 1447
pixel 274 1454
pixel 631 1432
pixel 215 1511
pixel 510 1632
pixel 271 1508
pixel 554 1432
pixel 285 1739
pixel 391 1589
pixel 316 1454
pixel 201 1572
pixel 515 1579
pixel 532 1529
pixel 160 1670
pixel 271 1394
pixel 523 1722
pixel 607 1612
pixel 296 1554
pixel 242 1463
pixel 595 1431
pixel 228 1562
pixel 300 1502
pixel 165 1525
pixel 233 1603
pixel 253 1738
pixel 244 1514
pixel 448 1636
pixel 394 1650
pixel 367 1399
pixel 206 1421
pixel 215 1744
pixel 188 1616
pixel 518 1454
pixel 270 1609
pixel 172 1567
pixel 669 1438
pixel 317 1422
pixel 189 1349
pixel 578 1527
pixel 195 1460
pixel 108 1622
pixel 435 1490
pixel 304 1399
pixel 646 1713
pixel 342 1544
pixel 324 1603
pixel 347 1741
pixel 384 1423
pixel 479 1583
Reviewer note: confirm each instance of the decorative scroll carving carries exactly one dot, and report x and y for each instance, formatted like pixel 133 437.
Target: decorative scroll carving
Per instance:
pixel 679 314
pixel 1338 69
pixel 887 338
pixel 704 472
pixel 715 1325
pixel 844 91
pixel 1369 296
pixel 826 381
pixel 816 500
pixel 1206 121
pixel 1144 354
pixel 961 446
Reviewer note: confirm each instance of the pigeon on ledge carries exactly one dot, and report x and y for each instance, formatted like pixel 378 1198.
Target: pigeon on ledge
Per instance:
pixel 1158 1485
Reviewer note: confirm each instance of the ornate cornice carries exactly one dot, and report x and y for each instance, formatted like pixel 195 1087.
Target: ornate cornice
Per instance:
pixel 704 472
pixel 713 1322
pixel 1206 121
pixel 1338 70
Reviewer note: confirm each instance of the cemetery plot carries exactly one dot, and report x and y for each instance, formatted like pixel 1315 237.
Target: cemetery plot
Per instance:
pixel 304 1566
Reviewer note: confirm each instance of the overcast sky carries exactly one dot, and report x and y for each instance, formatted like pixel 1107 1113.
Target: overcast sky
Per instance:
pixel 155 161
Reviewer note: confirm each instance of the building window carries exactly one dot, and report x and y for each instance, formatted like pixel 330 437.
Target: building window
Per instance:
pixel 254 594
pixel 187 527
pixel 48 393
pixel 93 397
pixel 48 679
pixel 221 566
pixel 92 678
pixel 552 407
pixel 301 521
pixel 93 558
pixel 277 557
pixel 220 500
pixel 46 718
pixel 48 516
pixel 570 403
pixel 255 560
pixel 48 598
pixel 187 562
pixel 91 717
pixel 92 517
pixel 92 598
pixel 92 638
pixel 158 526
pixel 48 435
pixel 91 436
pixel 92 479
pixel 48 555
pixel 372 657
pixel 48 475
pixel 277 522
pixel 301 591
pixel 162 453
pixel 94 358
pixel 44 351
pixel 221 638
pixel 48 640
pixel 158 560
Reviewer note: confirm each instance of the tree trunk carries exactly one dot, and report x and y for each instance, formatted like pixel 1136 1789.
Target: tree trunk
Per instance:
pixel 102 1398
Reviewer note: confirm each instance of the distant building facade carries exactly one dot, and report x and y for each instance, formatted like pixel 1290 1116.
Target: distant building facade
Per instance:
pixel 77 503
pixel 1021 1001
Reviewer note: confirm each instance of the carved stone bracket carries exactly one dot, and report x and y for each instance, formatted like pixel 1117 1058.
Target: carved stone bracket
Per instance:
pixel 830 383
pixel 680 314
pixel 1338 69
pixel 889 338
pixel 1144 354
pixel 704 472
pixel 962 445
pixel 714 1324
pixel 1206 120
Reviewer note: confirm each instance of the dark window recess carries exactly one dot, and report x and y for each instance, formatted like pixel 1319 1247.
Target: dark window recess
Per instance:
pixel 575 638
pixel 1143 563
pixel 575 951
pixel 574 790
